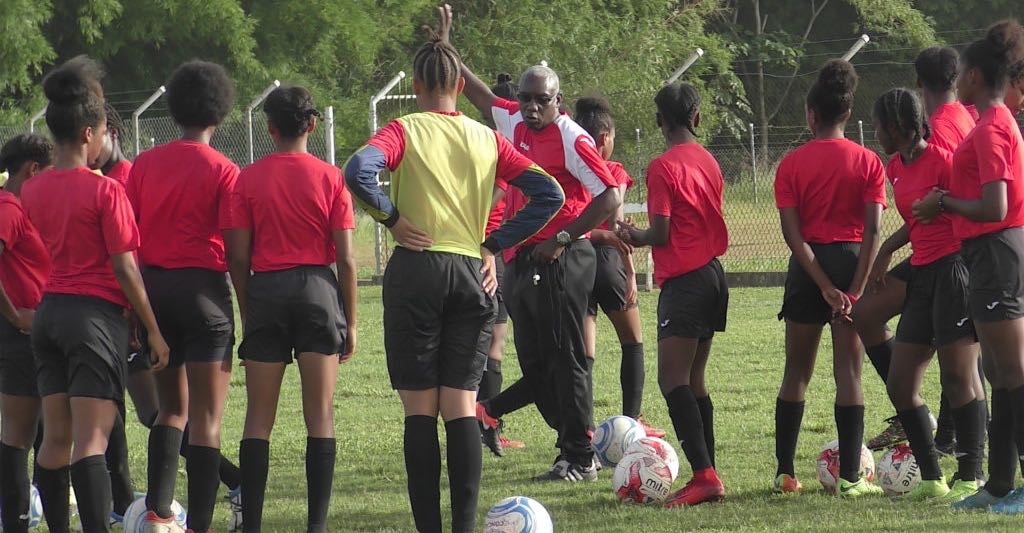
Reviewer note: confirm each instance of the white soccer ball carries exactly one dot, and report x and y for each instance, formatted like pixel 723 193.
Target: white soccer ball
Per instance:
pixel 660 448
pixel 613 436
pixel 642 478
pixel 898 473
pixel 828 466
pixel 518 514
pixel 35 507
pixel 136 512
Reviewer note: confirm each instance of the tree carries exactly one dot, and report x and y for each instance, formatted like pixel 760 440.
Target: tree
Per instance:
pixel 24 50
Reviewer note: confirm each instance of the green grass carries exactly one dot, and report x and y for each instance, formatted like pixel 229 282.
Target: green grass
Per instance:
pixel 744 373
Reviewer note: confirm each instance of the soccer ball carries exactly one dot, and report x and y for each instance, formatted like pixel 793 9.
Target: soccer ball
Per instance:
pixel 133 517
pixel 518 514
pixel 657 447
pixel 898 473
pixel 828 466
pixel 614 435
pixel 35 507
pixel 642 478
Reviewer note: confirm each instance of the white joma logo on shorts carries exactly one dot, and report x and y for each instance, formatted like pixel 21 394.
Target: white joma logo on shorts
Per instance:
pixel 992 305
pixel 664 324
pixel 961 322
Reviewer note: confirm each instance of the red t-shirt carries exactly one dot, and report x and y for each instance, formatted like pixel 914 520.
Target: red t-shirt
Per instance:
pixel 292 203
pixel 685 184
pixel 497 215
pixel 564 150
pixel 911 182
pixel 621 178
pixel 24 263
pixel 83 219
pixel 119 172
pixel 992 151
pixel 828 181
pixel 181 192
pixel 950 124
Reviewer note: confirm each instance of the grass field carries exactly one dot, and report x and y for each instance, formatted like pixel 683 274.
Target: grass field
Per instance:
pixel 745 369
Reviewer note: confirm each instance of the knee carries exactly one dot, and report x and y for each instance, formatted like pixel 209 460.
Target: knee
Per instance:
pixel 669 382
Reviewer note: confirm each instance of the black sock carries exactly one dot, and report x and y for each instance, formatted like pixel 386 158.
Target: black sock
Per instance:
pixel 1017 405
pixel 850 426
pixel 788 417
pixel 631 377
pixel 230 475
pixel 36 444
pixel 164 446
pixel 1002 451
pixel 707 416
pixel 117 462
pixel 969 439
pixel 512 399
pixel 202 465
pixel 946 426
pixel 464 466
pixel 54 490
pixel 14 489
pixel 918 425
pixel 880 356
pixel 982 415
pixel 682 408
pixel 320 457
pixel 423 467
pixel 254 461
pixel 490 383
pixel 92 489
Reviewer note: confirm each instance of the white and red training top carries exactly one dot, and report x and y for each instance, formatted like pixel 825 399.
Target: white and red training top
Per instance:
pixel 563 149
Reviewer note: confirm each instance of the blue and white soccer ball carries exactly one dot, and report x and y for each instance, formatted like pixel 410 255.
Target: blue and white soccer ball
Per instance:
pixel 518 514
pixel 133 517
pixel 614 435
pixel 35 508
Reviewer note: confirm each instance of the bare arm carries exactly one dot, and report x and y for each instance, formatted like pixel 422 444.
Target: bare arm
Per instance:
pixel 656 235
pixel 837 299
pixel 991 207
pixel 600 208
pixel 868 248
pixel 478 93
pixel 130 280
pixel 880 267
pixel 346 265
pixel 239 250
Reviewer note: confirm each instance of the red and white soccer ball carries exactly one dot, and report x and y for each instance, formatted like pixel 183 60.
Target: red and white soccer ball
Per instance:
pixel 642 478
pixel 828 466
pixel 898 473
pixel 658 447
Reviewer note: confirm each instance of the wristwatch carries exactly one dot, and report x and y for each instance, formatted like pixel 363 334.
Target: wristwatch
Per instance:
pixel 563 238
pixel 942 201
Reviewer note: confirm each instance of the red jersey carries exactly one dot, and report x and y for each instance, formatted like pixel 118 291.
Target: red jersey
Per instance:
pixel 181 193
pixel 685 184
pixel 622 178
pixel 993 151
pixel 564 150
pixel 293 203
pixel 497 215
pixel 119 172
pixel 829 181
pixel 910 183
pixel 83 219
pixel 24 263
pixel 950 124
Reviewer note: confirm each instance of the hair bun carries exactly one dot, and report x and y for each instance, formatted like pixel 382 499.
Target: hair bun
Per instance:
pixel 1006 39
pixel 592 104
pixel 73 81
pixel 838 76
pixel 504 77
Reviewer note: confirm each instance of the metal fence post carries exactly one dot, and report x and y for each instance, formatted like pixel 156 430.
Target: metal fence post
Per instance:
pixel 329 132
pixel 248 116
pixel 35 118
pixel 753 161
pixel 142 109
pixel 860 131
pixel 378 232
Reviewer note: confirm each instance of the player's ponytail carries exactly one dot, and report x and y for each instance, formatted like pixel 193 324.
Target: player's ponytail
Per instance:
pixel 831 96
pixel 594 114
pixel 678 104
pixel 437 64
pixel 900 109
pixel 290 109
pixel 997 52
pixel 75 98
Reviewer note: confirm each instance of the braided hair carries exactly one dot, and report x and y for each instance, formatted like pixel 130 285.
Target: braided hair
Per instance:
pixel 437 64
pixel 900 109
pixel 23 148
pixel 594 115
pixel 290 109
pixel 936 68
pixel 831 96
pixel 75 98
pixel 678 104
pixel 114 121
pixel 997 52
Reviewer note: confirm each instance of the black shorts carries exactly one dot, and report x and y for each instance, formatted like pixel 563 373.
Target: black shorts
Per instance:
pixel 438 320
pixel 293 311
pixel 610 283
pixel 995 262
pixel 80 344
pixel 935 310
pixel 499 270
pixel 138 360
pixel 194 311
pixel 17 362
pixel 901 271
pixel 802 302
pixel 694 305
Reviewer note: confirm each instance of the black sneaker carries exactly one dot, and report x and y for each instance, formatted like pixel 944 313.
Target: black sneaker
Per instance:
pixel 491 437
pixel 891 436
pixel 564 470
